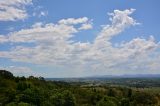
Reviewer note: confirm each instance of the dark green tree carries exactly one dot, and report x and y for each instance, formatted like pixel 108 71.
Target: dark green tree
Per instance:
pixel 6 74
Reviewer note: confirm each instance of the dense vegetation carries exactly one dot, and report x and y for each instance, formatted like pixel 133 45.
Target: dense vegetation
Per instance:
pixel 33 91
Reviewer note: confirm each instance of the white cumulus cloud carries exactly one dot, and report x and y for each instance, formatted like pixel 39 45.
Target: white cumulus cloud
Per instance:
pixel 74 21
pixel 86 26
pixel 12 10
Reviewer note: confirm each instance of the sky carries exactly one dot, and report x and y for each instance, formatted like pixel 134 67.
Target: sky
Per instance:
pixel 78 38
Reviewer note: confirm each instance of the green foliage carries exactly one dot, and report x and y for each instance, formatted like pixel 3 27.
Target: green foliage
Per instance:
pixel 11 104
pixel 22 85
pixel 125 102
pixel 108 101
pixel 64 98
pixel 36 91
pixel 143 98
pixel 18 104
pixel 23 104
pixel 111 92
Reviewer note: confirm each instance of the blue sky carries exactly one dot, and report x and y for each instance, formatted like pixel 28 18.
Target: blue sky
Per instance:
pixel 59 38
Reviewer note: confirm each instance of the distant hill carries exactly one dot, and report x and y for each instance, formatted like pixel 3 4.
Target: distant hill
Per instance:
pixel 110 76
pixel 128 76
pixel 102 78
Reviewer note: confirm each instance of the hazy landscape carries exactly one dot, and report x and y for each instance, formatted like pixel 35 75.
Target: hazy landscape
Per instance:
pixel 79 53
pixel 36 91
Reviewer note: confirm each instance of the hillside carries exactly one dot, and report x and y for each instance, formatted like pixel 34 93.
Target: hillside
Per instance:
pixel 36 91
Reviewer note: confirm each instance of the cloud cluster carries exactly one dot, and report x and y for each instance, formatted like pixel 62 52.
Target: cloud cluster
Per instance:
pixel 52 44
pixel 12 10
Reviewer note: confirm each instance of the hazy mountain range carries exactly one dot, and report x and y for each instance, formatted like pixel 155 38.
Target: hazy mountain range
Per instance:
pixel 103 77
pixel 128 76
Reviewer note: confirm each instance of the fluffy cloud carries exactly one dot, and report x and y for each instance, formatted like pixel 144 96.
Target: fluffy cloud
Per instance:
pixel 84 21
pixel 52 44
pixel 12 10
pixel 86 26
pixel 120 20
pixel 73 21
